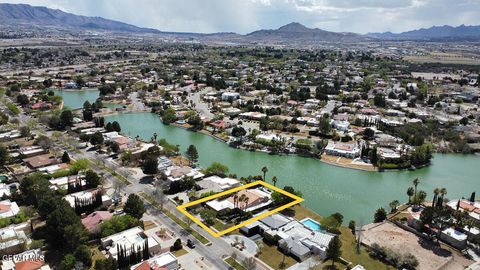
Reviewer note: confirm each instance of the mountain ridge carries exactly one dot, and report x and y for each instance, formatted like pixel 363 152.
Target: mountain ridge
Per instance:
pixel 38 17
pixel 432 33
pixel 24 14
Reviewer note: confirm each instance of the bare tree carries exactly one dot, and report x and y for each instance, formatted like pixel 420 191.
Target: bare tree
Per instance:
pixel 159 196
pixel 249 263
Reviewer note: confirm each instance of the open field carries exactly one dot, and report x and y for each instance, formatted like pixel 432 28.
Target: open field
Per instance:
pixel 444 59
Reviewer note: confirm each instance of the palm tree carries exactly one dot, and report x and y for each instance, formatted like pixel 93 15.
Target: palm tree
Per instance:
pixel 241 199
pixel 416 181
pixel 393 205
pixel 436 191
pixel 264 170
pixel 410 193
pixel 274 180
pixel 235 200
pixel 246 203
pixel 443 192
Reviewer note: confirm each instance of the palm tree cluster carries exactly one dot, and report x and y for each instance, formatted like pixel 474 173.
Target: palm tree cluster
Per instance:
pixel 241 201
pixel 415 197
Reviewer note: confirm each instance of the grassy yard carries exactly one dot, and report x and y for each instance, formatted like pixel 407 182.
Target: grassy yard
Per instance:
pixel 270 255
pixel 349 250
pixel 13 108
pixel 180 252
pixel 147 225
pixel 182 224
pixel 220 226
pixel 233 263
pixel 96 254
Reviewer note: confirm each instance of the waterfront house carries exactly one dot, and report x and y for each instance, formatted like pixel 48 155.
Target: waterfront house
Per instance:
pixel 301 240
pixel 454 237
pixel 216 184
pixel 472 208
pixel 255 199
pixel 348 150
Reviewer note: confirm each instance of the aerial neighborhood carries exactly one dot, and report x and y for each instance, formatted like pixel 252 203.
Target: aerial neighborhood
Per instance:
pixel 107 140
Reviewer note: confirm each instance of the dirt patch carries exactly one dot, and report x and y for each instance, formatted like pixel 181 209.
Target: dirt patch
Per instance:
pixel 430 255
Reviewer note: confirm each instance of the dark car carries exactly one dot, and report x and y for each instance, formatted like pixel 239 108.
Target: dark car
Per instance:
pixel 190 243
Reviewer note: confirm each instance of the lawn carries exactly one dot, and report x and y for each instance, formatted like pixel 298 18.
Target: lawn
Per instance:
pixel 148 224
pixel 96 254
pixel 349 252
pixel 270 255
pixel 180 252
pixel 233 263
pixel 220 226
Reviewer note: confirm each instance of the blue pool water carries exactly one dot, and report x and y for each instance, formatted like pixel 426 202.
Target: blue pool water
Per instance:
pixel 312 224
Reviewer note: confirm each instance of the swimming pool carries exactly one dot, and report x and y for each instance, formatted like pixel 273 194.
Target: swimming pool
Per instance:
pixel 312 224
pixel 3 178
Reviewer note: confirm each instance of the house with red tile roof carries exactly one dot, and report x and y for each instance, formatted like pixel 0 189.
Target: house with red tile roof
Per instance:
pixel 92 222
pixel 28 260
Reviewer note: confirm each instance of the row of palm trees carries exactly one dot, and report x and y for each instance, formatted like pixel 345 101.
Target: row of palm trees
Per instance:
pixel 419 197
pixel 238 200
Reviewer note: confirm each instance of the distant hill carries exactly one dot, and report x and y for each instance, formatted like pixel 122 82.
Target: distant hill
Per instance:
pixel 300 33
pixel 25 15
pixel 446 32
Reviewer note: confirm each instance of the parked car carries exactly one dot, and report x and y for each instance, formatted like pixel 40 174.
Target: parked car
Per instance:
pixel 190 243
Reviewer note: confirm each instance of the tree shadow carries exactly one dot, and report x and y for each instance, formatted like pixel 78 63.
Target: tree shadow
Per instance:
pixel 147 180
pixel 434 247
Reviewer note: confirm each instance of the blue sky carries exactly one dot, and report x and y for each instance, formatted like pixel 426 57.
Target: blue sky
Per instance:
pixel 243 16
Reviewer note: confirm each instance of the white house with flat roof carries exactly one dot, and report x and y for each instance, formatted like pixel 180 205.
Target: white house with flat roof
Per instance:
pixel 216 183
pixel 163 261
pixel 301 239
pixel 134 237
pixel 454 238
pixel 86 195
pixel 8 209
pixel 348 150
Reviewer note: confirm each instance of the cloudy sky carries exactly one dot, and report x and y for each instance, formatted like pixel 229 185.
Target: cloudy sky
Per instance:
pixel 243 16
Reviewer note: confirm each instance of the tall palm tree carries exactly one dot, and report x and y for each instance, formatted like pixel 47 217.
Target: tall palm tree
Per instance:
pixel 416 181
pixel 235 200
pixel 443 192
pixel 436 191
pixel 241 199
pixel 246 203
pixel 410 192
pixel 274 180
pixel 264 170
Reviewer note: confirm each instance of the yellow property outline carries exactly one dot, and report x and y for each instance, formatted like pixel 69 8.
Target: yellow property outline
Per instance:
pixel 183 208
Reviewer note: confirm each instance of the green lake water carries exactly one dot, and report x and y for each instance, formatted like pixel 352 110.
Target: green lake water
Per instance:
pixel 326 188
pixel 74 99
